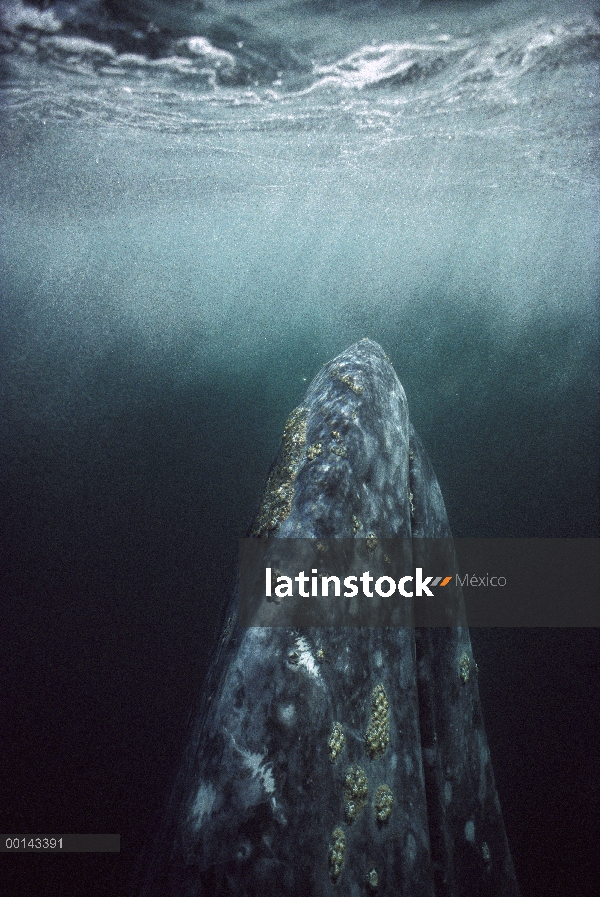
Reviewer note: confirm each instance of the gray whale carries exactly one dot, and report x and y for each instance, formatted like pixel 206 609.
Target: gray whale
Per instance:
pixel 340 761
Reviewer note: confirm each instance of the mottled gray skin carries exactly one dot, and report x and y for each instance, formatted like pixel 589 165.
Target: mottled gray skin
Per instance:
pixel 259 797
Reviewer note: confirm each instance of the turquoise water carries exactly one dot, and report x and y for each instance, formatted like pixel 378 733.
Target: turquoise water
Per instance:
pixel 199 208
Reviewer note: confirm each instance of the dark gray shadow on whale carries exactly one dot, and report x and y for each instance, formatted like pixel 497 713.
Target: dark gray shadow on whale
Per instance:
pixel 340 760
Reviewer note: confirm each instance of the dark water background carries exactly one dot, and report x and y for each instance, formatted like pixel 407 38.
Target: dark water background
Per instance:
pixel 188 232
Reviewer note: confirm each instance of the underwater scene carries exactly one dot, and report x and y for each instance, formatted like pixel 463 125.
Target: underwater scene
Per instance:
pixel 202 204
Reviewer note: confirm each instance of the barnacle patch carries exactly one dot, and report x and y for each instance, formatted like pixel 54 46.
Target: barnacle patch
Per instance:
pixel 313 450
pixel 276 502
pixel 337 852
pixel 356 788
pixel 355 524
pixel 464 668
pixel 336 741
pixel 378 731
pixel 351 383
pixel 384 801
pixel 372 542
pixel 372 880
pixel 339 450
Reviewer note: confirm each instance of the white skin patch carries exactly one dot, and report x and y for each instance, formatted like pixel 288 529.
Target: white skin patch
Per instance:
pixel 447 792
pixel 287 714
pixel 410 849
pixel 203 804
pixel 484 756
pixel 268 780
pixel 305 657
pixel 254 762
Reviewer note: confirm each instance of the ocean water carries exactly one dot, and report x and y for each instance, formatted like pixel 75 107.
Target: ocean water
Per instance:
pixel 201 204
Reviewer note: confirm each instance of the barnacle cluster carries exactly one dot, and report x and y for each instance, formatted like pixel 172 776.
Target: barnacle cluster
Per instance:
pixel 372 542
pixel 355 524
pixel 276 502
pixel 337 852
pixel 355 792
pixel 372 880
pixel 351 383
pixel 384 801
pixel 339 450
pixel 313 450
pixel 464 667
pixel 378 731
pixel 336 741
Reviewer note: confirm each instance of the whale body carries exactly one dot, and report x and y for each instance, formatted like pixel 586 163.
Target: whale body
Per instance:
pixel 343 760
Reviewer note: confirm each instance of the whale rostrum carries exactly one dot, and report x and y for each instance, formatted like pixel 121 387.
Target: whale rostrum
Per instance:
pixel 340 760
